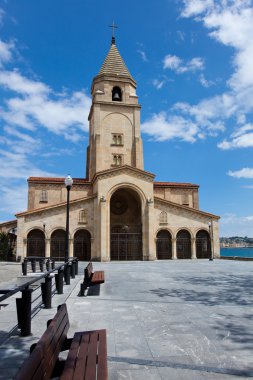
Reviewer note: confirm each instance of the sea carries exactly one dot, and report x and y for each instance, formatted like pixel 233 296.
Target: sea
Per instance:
pixel 239 252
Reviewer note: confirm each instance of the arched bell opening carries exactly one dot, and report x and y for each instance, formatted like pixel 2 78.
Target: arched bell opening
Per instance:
pixel 36 243
pixel 82 245
pixel 203 245
pixel 163 245
pixel 183 245
pixel 126 225
pixel 58 244
pixel 116 94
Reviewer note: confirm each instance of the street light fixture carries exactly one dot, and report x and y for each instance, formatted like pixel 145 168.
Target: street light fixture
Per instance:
pixel 210 237
pixel 68 183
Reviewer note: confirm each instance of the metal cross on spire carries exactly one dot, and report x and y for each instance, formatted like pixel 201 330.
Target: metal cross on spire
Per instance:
pixel 113 26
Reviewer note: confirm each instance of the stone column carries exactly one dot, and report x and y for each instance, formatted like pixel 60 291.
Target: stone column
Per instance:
pixel 193 248
pixel 24 248
pixel 150 253
pixel 103 230
pixel 71 247
pixel 47 247
pixel 174 249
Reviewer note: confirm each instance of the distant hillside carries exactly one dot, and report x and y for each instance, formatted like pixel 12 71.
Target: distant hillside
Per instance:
pixel 236 241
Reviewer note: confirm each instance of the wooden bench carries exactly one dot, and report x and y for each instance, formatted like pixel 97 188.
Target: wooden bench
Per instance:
pixel 87 356
pixel 91 278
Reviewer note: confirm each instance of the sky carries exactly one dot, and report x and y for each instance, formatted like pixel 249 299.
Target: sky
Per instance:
pixel 192 61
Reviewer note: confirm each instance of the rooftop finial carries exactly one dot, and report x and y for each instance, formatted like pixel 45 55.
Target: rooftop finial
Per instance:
pixel 113 26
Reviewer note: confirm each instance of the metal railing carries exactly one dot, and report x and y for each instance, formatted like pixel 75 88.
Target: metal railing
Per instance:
pixel 60 273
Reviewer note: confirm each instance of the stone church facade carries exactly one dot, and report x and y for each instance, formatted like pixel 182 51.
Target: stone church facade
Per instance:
pixel 119 211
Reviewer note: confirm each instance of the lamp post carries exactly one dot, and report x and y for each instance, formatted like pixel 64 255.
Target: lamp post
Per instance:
pixel 68 183
pixel 210 236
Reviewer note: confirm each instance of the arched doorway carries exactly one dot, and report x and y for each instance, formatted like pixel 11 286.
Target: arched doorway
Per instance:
pixel 36 243
pixel 82 245
pixel 183 245
pixel 203 245
pixel 163 245
pixel 58 244
pixel 126 226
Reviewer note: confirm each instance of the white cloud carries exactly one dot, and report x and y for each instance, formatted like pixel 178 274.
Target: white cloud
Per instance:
pixel 2 14
pixel 195 7
pixel 230 23
pixel 205 83
pixel 163 128
pixel 37 105
pixel 234 225
pixel 14 81
pixel 181 35
pixel 158 83
pixel 176 64
pixel 29 106
pixel 241 138
pixel 143 55
pixel 6 50
pixel 13 198
pixel 171 62
pixel 242 173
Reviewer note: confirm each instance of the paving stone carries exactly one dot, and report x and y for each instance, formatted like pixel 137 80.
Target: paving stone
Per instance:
pixel 165 320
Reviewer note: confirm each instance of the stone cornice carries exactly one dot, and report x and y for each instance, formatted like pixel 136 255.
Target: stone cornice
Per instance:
pixel 147 176
pixel 114 104
pixel 112 78
pixel 189 209
pixel 41 209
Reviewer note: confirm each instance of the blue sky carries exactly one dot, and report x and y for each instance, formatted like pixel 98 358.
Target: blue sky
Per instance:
pixel 192 60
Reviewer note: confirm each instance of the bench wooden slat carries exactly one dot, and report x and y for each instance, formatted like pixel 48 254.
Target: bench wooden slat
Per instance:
pixel 81 362
pixel 87 353
pixel 69 367
pixel 98 277
pixel 92 357
pixel 102 357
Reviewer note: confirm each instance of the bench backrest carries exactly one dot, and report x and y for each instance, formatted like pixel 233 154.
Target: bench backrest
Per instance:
pixel 88 271
pixel 34 367
pixel 47 349
pixel 54 337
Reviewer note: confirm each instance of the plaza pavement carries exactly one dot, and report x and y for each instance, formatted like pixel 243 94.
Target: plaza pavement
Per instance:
pixel 169 320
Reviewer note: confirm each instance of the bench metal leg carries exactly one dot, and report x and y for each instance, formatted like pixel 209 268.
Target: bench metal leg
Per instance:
pixel 82 289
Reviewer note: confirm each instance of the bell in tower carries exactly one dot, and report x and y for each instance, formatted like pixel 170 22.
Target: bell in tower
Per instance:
pixel 116 94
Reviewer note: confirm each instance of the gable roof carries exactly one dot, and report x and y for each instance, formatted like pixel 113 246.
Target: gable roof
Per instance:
pixel 190 209
pixel 61 204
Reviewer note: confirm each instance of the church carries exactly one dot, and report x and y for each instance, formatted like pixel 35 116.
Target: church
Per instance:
pixel 119 211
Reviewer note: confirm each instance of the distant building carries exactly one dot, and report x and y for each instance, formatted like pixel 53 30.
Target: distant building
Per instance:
pixel 119 211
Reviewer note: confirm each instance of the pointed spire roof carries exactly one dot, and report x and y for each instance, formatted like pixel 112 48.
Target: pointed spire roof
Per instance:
pixel 113 64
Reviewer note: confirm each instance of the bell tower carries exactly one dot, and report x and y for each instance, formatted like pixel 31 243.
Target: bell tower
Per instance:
pixel 114 119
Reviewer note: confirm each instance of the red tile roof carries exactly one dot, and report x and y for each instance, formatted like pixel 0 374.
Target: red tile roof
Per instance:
pixel 174 184
pixel 57 180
